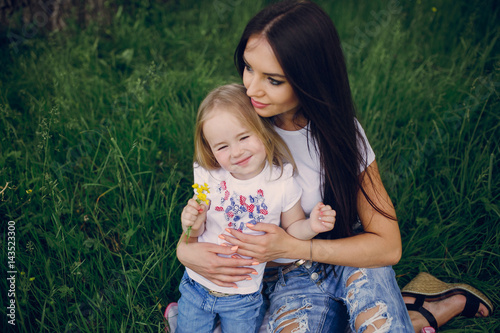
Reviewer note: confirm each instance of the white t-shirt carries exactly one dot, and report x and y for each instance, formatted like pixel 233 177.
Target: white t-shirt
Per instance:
pixel 235 202
pixel 306 156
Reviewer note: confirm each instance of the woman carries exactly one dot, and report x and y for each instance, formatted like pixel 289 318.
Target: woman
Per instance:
pixel 292 65
pixel 241 161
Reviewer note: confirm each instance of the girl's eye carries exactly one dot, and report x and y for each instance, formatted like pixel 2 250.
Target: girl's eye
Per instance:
pixel 248 68
pixel 221 148
pixel 244 137
pixel 275 82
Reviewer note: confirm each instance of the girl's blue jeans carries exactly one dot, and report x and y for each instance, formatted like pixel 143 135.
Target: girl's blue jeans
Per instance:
pixel 199 310
pixel 321 298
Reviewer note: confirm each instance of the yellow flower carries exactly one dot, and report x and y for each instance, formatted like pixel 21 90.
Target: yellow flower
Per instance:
pixel 201 196
pixel 434 9
pixel 29 191
pixel 32 279
pixel 202 191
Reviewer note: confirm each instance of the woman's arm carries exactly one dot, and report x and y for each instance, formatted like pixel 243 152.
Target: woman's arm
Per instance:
pixel 379 244
pixel 203 259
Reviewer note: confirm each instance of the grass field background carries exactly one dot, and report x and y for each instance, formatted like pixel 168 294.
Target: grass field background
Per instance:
pixel 96 149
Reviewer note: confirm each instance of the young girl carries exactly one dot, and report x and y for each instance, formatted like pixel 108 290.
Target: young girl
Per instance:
pixel 241 159
pixel 291 61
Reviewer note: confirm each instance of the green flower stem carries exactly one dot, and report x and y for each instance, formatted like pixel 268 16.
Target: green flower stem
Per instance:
pixel 188 231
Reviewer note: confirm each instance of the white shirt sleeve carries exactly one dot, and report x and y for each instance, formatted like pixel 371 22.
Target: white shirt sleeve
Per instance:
pixel 200 174
pixel 367 152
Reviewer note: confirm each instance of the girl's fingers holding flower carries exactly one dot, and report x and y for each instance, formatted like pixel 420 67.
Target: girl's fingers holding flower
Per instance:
pixel 186 227
pixel 193 203
pixel 190 212
pixel 200 205
pixel 187 220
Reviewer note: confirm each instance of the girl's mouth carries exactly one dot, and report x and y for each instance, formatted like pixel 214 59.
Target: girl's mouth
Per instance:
pixel 243 161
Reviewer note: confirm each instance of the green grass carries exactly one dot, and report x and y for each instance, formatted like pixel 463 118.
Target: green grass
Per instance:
pixel 96 148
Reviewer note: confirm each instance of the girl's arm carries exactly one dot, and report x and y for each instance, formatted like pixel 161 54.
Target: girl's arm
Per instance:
pixel 379 244
pixel 294 221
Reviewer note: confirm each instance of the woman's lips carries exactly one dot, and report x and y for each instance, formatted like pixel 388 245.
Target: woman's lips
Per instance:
pixel 258 105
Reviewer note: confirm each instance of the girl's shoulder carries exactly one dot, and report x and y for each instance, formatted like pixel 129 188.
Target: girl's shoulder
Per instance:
pixel 282 173
pixel 288 170
pixel 200 173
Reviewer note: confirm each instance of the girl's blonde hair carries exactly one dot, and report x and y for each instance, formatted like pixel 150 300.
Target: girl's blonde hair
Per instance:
pixel 233 98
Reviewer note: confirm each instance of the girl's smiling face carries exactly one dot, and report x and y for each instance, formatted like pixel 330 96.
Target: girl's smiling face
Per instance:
pixel 267 86
pixel 237 149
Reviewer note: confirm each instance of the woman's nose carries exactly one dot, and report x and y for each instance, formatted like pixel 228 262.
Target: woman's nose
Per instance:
pixel 253 87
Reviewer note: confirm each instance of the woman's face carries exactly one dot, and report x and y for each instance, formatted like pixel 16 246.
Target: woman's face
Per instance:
pixel 266 84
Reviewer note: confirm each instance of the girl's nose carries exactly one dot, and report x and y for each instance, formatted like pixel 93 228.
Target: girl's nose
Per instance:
pixel 236 150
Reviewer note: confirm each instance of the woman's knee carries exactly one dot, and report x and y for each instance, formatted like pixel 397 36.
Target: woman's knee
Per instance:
pixel 373 320
pixel 308 313
pixel 365 300
pixel 291 317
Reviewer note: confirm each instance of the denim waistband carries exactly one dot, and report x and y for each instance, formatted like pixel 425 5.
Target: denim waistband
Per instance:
pixel 215 293
pixel 288 268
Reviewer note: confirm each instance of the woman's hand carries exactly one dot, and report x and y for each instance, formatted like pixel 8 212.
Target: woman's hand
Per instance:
pixel 274 244
pixel 203 259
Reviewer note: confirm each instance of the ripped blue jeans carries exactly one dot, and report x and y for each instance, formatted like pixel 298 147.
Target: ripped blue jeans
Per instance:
pixel 316 297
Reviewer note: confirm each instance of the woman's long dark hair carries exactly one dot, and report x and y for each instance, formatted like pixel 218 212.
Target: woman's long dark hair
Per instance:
pixel 307 46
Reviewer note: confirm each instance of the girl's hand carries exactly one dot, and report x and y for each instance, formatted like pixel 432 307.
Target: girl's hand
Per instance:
pixel 193 215
pixel 203 259
pixel 322 218
pixel 274 244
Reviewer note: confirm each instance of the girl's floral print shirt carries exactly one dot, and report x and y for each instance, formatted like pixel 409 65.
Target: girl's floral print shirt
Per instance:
pixel 234 203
